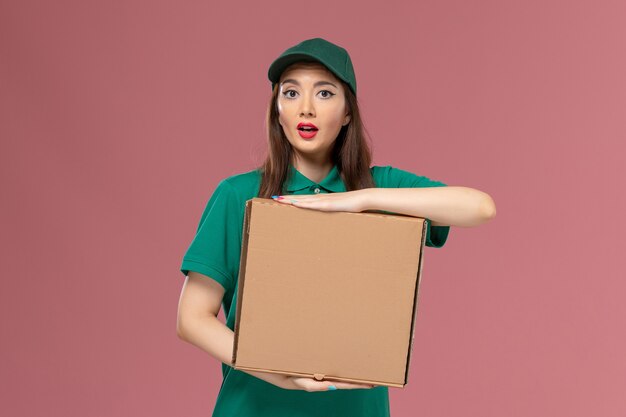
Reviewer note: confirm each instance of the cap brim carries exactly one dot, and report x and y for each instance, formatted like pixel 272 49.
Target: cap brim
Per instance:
pixel 280 64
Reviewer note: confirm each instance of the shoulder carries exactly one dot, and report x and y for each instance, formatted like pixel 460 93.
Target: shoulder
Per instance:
pixel 388 176
pixel 244 185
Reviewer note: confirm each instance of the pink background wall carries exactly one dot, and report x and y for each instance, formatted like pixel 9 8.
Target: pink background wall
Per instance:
pixel 118 119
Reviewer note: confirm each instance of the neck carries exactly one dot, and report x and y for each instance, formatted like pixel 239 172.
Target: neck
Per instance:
pixel 313 170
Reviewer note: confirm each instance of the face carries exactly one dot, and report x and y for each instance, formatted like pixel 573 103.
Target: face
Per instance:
pixel 310 93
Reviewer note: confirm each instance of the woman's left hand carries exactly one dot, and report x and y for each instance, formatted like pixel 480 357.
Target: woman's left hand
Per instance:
pixel 353 201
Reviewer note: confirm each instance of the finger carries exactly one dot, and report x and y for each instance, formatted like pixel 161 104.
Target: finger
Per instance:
pixel 300 197
pixel 309 384
pixel 352 385
pixel 348 385
pixel 286 201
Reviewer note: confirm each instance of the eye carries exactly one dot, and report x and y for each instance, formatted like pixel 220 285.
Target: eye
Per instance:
pixel 287 94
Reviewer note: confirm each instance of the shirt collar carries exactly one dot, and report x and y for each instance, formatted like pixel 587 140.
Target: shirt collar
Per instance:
pixel 296 181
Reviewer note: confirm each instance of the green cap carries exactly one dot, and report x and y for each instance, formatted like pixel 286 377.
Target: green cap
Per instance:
pixel 334 57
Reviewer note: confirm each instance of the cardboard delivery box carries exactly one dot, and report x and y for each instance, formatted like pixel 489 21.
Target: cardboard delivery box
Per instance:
pixel 328 295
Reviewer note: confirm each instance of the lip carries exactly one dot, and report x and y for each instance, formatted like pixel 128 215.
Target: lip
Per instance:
pixel 302 124
pixel 307 135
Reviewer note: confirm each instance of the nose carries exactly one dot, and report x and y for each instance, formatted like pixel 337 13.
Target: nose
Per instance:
pixel 306 106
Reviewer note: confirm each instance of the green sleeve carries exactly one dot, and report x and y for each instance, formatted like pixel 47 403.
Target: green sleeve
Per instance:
pixel 436 236
pixel 215 249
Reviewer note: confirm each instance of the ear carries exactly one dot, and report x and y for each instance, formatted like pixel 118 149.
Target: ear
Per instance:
pixel 346 120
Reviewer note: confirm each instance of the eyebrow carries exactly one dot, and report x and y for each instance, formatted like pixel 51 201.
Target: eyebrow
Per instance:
pixel 291 80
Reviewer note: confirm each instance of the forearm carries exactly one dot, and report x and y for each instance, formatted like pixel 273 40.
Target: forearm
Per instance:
pixel 214 337
pixel 444 206
pixel 211 335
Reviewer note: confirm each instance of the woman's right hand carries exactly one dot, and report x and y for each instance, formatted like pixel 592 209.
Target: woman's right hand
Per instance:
pixel 311 384
pixel 305 383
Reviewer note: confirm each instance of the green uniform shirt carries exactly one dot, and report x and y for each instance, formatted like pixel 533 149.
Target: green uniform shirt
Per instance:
pixel 215 252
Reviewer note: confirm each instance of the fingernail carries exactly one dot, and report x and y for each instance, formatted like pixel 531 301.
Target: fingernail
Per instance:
pixel 332 387
pixel 274 196
pixel 294 201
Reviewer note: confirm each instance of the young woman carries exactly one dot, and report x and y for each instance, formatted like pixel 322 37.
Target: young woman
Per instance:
pixel 318 159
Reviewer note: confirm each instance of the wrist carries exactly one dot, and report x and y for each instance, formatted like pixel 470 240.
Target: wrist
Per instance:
pixel 368 199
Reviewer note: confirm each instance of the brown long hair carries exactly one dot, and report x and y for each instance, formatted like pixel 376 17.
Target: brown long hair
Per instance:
pixel 351 152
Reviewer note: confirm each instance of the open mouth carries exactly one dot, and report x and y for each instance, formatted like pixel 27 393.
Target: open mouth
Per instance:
pixel 307 132
pixel 306 127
